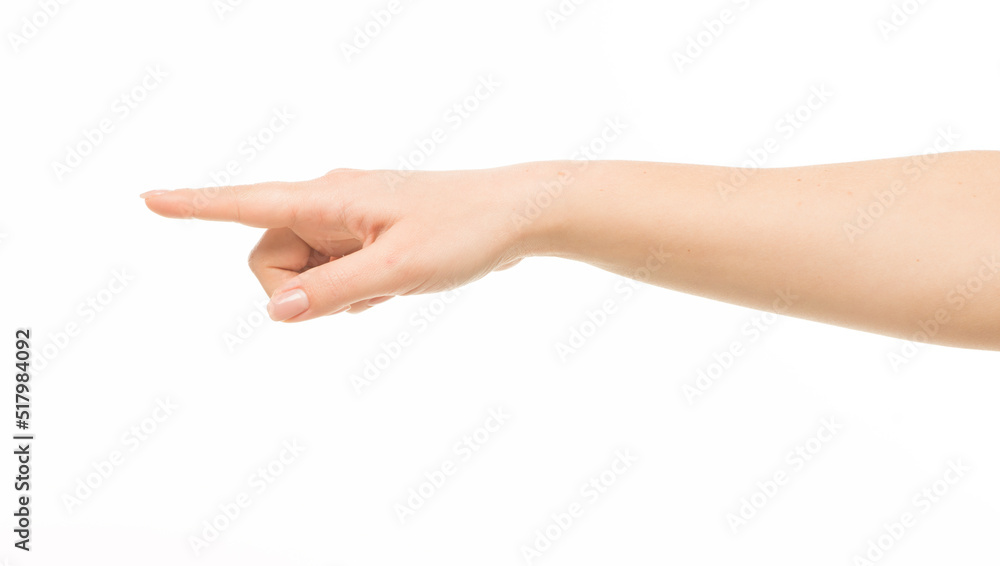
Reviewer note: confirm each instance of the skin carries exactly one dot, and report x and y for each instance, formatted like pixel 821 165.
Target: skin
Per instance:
pixel 922 267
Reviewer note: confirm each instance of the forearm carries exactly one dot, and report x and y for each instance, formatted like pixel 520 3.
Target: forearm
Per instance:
pixel 928 254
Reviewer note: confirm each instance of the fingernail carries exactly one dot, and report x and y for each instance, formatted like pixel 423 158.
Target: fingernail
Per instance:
pixel 377 300
pixel 148 194
pixel 287 305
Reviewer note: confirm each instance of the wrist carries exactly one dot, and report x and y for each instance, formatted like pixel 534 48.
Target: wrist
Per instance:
pixel 540 202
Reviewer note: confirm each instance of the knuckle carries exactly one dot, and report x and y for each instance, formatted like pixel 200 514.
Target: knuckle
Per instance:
pixel 253 260
pixel 234 197
pixel 329 282
pixel 340 173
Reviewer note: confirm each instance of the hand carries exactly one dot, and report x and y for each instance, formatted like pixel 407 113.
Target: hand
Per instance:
pixel 352 239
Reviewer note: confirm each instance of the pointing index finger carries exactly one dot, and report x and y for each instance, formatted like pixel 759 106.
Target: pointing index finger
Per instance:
pixel 264 205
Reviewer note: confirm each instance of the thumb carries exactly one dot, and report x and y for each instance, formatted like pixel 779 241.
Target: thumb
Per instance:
pixel 373 271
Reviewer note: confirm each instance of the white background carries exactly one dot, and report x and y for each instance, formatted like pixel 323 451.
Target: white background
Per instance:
pixel 164 335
